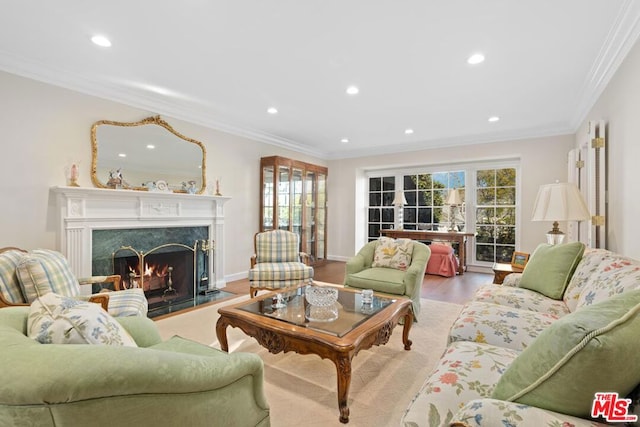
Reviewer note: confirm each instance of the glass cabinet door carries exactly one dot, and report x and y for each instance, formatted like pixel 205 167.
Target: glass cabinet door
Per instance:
pixel 283 214
pixel 296 202
pixel 321 216
pixel 267 198
pixel 310 215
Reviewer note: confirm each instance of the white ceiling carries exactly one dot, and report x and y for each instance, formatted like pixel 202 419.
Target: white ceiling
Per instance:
pixel 223 63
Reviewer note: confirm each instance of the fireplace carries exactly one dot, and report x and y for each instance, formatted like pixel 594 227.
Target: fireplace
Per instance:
pixel 93 223
pixel 167 273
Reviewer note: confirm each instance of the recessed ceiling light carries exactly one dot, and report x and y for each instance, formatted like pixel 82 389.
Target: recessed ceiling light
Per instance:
pixel 151 146
pixel 408 131
pixel 272 110
pixel 494 119
pixel 345 140
pixel 353 90
pixel 122 155
pixel 101 41
pixel 476 58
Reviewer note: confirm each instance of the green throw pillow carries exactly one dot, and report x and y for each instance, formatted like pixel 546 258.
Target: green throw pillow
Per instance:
pixel 594 349
pixel 551 267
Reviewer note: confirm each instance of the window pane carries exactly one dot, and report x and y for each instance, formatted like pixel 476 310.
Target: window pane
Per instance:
pixel 387 215
pixel 440 179
pixel 425 181
pixel 387 199
pixel 506 216
pixel 374 215
pixel 506 177
pixel 485 253
pixel 438 216
pixel 456 179
pixel 409 215
pixel 506 196
pixel 506 235
pixel 375 199
pixel 484 234
pixel 374 230
pixel 388 183
pixel 425 198
pixel 486 178
pixel 486 196
pixel 411 198
pixel 485 215
pixel 424 215
pixel 409 182
pixel 375 184
pixel 504 253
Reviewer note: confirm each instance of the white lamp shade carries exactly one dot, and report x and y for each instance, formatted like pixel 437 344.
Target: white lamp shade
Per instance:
pixel 453 198
pixel 399 200
pixel 560 202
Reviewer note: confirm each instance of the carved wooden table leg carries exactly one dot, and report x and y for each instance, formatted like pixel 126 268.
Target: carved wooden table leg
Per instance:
pixel 343 368
pixel 408 322
pixel 221 333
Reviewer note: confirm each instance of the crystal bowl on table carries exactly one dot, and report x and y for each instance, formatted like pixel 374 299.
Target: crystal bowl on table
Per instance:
pixel 321 296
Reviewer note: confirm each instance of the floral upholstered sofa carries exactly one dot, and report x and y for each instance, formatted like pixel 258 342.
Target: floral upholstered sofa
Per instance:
pixel 535 350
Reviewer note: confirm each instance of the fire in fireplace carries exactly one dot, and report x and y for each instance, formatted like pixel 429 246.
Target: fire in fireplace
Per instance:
pixel 166 273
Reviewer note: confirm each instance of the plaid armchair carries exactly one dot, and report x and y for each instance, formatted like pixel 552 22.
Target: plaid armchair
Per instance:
pixel 24 276
pixel 277 262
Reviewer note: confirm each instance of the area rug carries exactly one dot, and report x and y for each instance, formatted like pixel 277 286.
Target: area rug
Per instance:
pixel 301 389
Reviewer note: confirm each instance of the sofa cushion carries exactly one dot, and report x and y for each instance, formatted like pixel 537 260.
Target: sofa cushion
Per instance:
pixel 9 283
pixel 387 280
pixel 393 253
pixel 551 267
pixel 56 319
pixel 499 325
pixel 42 271
pixel 600 275
pixel 466 371
pixel 594 349
pixel 520 298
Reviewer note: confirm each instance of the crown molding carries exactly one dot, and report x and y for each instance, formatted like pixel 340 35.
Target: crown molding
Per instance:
pixel 621 38
pixel 154 105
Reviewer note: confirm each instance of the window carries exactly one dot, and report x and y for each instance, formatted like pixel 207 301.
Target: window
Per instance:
pixel 426 196
pixel 489 208
pixel 381 209
pixel 495 214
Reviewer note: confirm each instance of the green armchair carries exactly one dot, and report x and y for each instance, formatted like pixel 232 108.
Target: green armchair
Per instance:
pixel 170 383
pixel 361 274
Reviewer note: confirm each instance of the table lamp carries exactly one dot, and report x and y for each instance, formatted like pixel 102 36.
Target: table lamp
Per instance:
pixel 453 200
pixel 561 201
pixel 400 201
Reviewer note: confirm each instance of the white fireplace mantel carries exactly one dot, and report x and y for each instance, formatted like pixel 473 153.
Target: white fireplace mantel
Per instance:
pixel 82 210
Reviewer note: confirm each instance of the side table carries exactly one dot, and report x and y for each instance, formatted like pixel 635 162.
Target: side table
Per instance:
pixel 500 271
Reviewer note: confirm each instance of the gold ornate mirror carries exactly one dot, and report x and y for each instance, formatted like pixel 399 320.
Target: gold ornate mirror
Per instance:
pixel 148 155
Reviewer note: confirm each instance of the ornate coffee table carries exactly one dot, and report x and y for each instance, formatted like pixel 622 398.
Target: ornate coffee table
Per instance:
pixel 358 326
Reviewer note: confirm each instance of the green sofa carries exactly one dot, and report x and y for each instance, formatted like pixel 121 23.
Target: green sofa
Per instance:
pixel 159 383
pixel 360 273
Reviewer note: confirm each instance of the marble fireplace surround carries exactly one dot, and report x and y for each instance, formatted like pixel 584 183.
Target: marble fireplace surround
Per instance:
pixel 81 210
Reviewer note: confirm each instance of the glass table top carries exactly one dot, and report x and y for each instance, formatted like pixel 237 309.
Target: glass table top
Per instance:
pixel 338 319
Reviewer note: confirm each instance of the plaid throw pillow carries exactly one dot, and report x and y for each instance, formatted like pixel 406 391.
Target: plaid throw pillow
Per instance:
pixel 42 271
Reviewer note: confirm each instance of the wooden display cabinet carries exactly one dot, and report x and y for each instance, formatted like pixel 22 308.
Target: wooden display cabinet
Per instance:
pixel 293 196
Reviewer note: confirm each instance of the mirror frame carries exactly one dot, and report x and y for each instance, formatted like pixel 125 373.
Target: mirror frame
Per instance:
pixel 154 120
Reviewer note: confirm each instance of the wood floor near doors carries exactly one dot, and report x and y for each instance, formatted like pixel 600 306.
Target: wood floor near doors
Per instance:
pixel 457 289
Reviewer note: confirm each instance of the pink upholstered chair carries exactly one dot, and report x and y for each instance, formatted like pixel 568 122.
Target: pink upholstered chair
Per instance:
pixel 442 261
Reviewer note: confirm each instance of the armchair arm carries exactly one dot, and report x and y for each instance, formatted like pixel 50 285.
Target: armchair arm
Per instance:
pixel 102 299
pixel 512 279
pixel 415 273
pixel 115 279
pixel 254 257
pixel 305 258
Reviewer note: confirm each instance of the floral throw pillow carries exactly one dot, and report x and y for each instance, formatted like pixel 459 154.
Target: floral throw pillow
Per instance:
pixel 393 253
pixel 56 319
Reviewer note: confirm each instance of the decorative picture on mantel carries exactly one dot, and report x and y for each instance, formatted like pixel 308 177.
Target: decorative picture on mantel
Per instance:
pixel 519 259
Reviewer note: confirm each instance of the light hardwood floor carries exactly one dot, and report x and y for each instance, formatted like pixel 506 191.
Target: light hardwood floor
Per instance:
pixel 458 289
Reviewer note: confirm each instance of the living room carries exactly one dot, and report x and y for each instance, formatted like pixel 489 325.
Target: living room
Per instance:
pixel 47 121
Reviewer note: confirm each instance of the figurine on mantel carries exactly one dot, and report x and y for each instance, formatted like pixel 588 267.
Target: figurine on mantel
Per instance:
pixel 189 187
pixel 116 180
pixel 218 193
pixel 74 172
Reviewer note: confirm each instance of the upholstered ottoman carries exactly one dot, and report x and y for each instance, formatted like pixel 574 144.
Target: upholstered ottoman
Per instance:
pixel 442 262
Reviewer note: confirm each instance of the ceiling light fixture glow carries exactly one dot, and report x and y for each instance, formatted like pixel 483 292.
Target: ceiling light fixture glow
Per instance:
pixel 494 119
pixel 353 90
pixel 272 110
pixel 345 140
pixel 101 41
pixel 122 155
pixel 476 58
pixel 408 131
pixel 151 146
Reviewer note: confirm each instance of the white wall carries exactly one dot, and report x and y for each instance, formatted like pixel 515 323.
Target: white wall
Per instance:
pixel 542 161
pixel 45 127
pixel 619 106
